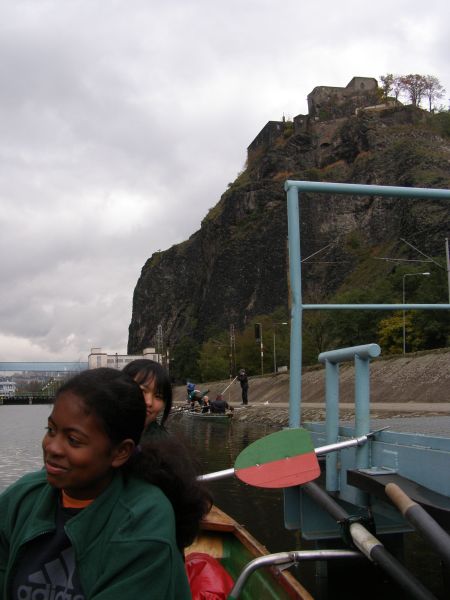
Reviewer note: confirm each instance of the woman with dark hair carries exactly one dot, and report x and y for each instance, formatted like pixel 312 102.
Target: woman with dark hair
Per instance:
pixel 105 518
pixel 154 382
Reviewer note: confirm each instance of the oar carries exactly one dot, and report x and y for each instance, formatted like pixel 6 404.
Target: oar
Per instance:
pixel 422 522
pixel 368 544
pixel 282 459
pixel 229 385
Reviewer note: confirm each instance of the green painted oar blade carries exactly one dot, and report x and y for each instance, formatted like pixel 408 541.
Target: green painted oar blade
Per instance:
pixel 279 460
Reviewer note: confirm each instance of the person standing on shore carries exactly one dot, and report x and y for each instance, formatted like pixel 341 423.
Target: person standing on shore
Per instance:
pixel 243 380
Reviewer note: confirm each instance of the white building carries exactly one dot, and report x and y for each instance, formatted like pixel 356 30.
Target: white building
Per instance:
pixel 97 358
pixel 7 388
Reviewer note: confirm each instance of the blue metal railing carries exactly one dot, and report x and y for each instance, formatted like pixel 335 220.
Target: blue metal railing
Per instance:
pixel 293 188
pixel 361 355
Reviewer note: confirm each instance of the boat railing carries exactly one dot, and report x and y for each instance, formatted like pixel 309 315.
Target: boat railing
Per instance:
pixel 396 453
pixel 285 560
pixel 293 206
pixel 332 359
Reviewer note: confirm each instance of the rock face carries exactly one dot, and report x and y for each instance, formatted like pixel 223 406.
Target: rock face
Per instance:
pixel 235 266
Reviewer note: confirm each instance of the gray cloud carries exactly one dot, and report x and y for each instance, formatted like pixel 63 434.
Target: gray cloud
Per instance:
pixel 123 121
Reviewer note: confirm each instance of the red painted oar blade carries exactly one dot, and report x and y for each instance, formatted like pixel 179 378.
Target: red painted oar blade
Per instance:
pixel 282 459
pixel 282 473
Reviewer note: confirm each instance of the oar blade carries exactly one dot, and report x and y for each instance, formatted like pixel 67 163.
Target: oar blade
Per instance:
pixel 279 460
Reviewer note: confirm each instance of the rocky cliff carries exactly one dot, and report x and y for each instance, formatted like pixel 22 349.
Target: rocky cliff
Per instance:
pixel 235 266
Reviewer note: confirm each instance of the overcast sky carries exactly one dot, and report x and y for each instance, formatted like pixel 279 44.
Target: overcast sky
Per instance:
pixel 122 121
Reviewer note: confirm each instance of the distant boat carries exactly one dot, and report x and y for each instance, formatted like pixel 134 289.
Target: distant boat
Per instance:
pixel 214 417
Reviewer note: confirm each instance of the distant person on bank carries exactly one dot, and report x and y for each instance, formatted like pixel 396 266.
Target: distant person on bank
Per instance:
pixel 243 380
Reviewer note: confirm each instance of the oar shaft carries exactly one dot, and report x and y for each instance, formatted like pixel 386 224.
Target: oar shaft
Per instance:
pixel 229 385
pixel 422 522
pixel 319 451
pixel 372 548
pixel 216 475
pixel 359 441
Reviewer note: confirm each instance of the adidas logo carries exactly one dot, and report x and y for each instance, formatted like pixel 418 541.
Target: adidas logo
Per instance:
pixel 55 582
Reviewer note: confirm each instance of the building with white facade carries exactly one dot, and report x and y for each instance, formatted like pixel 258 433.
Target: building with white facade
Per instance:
pixel 7 388
pixel 97 358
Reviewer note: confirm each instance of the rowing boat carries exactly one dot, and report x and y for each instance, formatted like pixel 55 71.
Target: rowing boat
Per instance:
pixel 234 547
pixel 214 417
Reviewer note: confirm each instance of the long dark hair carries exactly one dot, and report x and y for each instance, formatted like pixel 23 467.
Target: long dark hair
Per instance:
pixel 143 369
pixel 118 403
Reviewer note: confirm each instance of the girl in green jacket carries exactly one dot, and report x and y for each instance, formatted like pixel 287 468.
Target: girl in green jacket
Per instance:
pixel 106 518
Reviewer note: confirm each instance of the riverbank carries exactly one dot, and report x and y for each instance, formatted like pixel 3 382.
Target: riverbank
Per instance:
pixel 410 386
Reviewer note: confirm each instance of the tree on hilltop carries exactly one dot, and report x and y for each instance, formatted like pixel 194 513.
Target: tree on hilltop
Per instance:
pixel 414 86
pixel 433 90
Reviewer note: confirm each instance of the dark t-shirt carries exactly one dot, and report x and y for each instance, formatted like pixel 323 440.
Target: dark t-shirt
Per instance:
pixel 46 567
pixel 219 406
pixel 243 380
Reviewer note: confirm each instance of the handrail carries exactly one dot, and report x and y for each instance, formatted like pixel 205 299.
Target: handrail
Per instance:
pixel 361 355
pixel 285 560
pixel 293 205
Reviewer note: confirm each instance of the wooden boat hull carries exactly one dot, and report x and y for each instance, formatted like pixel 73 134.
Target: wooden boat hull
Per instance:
pixel 230 543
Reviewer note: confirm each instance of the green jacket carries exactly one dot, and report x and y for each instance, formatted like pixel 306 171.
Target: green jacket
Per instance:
pixel 154 431
pixel 124 542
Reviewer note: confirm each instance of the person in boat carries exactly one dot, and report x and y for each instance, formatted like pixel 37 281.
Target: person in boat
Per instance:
pixel 219 405
pixel 190 387
pixel 197 396
pixel 243 380
pixel 206 405
pixel 106 517
pixel 155 384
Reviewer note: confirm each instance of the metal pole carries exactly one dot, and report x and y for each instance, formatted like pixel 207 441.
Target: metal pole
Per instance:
pixel 332 422
pixel 447 257
pixel 262 351
pixel 404 322
pixel 295 390
pixel 274 353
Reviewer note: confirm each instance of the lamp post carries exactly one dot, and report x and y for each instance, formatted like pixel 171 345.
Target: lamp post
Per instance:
pixel 404 321
pixel 274 345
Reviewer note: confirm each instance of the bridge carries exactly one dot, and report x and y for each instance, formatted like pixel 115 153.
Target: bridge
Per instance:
pixel 28 398
pixel 47 367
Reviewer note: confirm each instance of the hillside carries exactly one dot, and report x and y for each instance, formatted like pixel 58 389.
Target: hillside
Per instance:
pixel 414 379
pixel 234 267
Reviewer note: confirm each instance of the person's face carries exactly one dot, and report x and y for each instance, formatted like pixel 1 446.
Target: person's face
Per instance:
pixel 153 402
pixel 78 455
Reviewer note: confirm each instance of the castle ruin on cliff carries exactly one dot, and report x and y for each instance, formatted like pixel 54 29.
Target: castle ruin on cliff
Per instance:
pixel 325 103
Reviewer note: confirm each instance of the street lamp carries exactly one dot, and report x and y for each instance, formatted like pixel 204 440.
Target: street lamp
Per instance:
pixel 274 345
pixel 404 321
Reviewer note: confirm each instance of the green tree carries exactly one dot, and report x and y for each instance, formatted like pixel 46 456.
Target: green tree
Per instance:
pixel 390 334
pixel 316 335
pixel 414 86
pixel 387 83
pixel 433 90
pixel 184 360
pixel 354 327
pixel 213 360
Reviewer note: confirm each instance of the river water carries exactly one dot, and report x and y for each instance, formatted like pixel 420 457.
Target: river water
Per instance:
pixel 217 446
